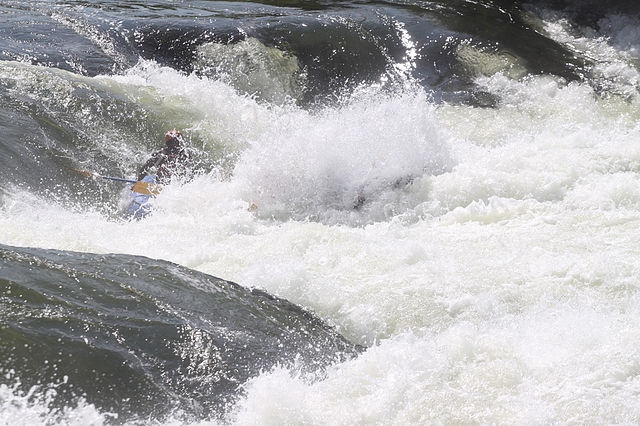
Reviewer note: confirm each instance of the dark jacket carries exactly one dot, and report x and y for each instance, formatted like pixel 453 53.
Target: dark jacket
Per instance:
pixel 167 162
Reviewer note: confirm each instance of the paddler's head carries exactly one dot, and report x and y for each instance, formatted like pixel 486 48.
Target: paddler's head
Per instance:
pixel 173 139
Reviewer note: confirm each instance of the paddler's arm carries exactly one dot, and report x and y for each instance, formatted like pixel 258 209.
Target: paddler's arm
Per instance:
pixel 154 161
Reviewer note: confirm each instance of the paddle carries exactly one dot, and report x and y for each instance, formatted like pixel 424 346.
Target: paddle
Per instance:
pixel 146 188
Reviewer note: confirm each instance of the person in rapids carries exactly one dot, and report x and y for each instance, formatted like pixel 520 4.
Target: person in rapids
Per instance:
pixel 172 160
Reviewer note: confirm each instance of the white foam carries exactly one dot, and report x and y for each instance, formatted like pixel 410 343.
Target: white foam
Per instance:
pixel 499 286
pixel 362 154
pixel 33 406
pixel 613 47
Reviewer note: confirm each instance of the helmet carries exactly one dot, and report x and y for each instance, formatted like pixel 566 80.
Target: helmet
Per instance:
pixel 173 137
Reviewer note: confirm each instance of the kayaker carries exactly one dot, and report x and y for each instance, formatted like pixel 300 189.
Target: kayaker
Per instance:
pixel 171 160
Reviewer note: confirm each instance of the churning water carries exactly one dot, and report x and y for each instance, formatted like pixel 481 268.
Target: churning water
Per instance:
pixel 431 209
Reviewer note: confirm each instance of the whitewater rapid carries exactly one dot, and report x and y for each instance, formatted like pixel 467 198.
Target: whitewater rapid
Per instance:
pixel 492 269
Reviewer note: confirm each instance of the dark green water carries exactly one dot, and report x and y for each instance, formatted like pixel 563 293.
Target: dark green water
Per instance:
pixel 144 338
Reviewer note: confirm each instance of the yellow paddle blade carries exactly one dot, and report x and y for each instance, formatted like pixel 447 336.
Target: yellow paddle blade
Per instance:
pixel 147 188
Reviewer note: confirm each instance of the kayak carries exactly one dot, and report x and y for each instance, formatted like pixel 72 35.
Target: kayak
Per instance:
pixel 143 194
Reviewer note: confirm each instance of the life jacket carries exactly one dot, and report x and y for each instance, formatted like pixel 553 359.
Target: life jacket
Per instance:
pixel 167 162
